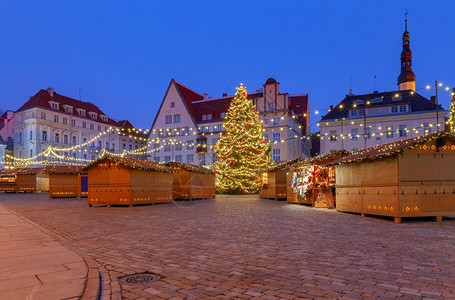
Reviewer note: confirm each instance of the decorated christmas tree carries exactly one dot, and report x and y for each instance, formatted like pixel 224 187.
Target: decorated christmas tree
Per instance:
pixel 242 150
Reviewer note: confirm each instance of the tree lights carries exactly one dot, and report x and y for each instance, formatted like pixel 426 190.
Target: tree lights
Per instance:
pixel 242 150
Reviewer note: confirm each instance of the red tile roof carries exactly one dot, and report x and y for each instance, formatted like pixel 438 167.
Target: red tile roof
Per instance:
pixel 59 169
pixel 390 149
pixel 125 125
pixel 132 163
pixel 189 167
pixel 189 96
pixel 299 104
pixel 42 98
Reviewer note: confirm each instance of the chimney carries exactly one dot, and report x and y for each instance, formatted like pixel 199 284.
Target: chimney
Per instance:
pixel 205 96
pixel 224 94
pixel 50 91
pixel 433 99
pixel 331 107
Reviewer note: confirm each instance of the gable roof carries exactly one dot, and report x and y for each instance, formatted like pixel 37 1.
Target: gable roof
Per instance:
pixel 128 129
pixel 189 167
pixel 390 149
pixel 417 102
pixel 132 163
pixel 42 98
pixel 60 169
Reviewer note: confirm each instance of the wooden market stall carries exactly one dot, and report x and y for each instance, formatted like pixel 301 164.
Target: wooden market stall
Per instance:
pixel 64 181
pixel 117 180
pixel 192 181
pixel 24 180
pixel 408 178
pixel 276 180
pixel 313 181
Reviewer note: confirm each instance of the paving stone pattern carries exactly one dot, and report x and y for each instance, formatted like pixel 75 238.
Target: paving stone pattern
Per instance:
pixel 242 247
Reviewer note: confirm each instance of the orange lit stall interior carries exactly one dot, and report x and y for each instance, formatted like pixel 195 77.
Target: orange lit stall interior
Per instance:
pixel 409 178
pixel 127 181
pixel 276 181
pixel 64 181
pixel 24 180
pixel 313 182
pixel 192 181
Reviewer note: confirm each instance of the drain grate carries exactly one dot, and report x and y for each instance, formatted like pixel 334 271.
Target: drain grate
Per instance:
pixel 141 278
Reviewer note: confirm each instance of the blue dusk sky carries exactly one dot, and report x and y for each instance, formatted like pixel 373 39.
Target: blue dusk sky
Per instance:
pixel 123 54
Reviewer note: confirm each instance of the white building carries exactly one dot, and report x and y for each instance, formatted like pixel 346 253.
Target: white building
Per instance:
pixel 188 124
pixel 50 119
pixel 360 121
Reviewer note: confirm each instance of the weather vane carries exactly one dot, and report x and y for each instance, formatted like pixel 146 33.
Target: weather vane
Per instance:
pixel 406 19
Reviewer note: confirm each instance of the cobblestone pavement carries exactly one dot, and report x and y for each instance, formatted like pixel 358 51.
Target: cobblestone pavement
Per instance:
pixel 243 247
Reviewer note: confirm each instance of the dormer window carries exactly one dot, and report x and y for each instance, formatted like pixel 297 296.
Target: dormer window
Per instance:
pixel 396 97
pixel 358 102
pixel 54 105
pixel 377 100
pixel 104 118
pixel 93 115
pixel 81 112
pixel 68 108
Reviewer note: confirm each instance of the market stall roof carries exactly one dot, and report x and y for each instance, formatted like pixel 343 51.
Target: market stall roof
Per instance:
pixel 22 171
pixel 322 159
pixel 189 167
pixel 390 149
pixel 61 169
pixel 282 165
pixel 132 163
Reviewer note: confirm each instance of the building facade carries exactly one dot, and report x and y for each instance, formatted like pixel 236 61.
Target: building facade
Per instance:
pixel 50 119
pixel 361 121
pixel 188 124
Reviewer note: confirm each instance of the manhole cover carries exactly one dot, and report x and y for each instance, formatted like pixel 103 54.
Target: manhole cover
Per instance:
pixel 141 278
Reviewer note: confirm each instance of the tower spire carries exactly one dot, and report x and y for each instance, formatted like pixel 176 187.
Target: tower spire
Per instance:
pixel 407 78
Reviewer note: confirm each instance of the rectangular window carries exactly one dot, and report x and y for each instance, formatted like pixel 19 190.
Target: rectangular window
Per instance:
pixel 20 136
pixel 367 133
pixel 177 131
pixel 167 159
pixel 402 131
pixel 361 112
pixel 204 117
pixel 157 159
pixel 185 130
pixel 178 147
pixel 31 134
pixel 214 141
pixel 209 116
pixel 130 147
pixel 73 122
pixel 84 124
pixel 178 158
pixel 394 109
pixel 74 140
pixel 402 108
pixel 276 154
pixel 65 139
pixel 56 119
pixel 57 138
pixel 189 158
pixel 172 104
pixel 223 114
pixel 266 137
pixel 276 137
pixel 270 106
pixel 189 145
pixel 123 146
pixel 333 135
pixel 167 147
pixel 176 118
pixel 266 122
pixel 205 129
pixel 91 126
pixel 201 159
pixel 426 128
pixel 217 128
pixel 389 132
pixel 354 134
pixel 99 127
pixel 65 121
pixel 276 122
pixel 168 119
pixel 353 113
